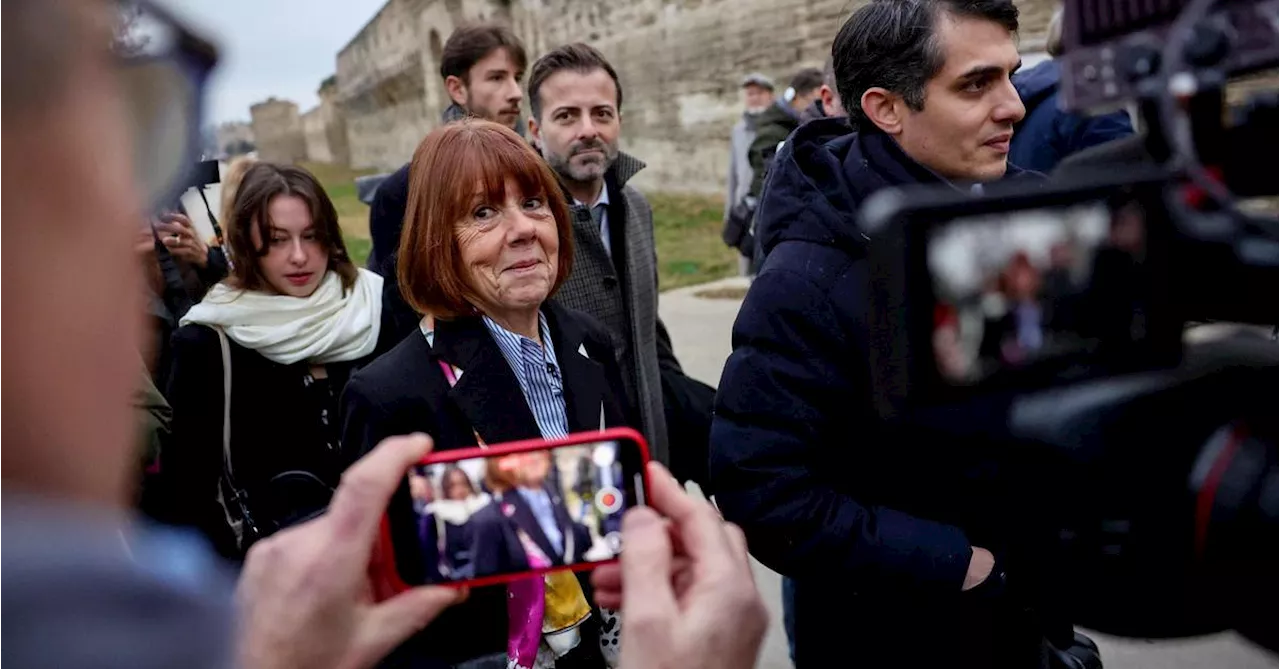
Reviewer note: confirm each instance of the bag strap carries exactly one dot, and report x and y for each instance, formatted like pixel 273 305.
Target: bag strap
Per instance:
pixel 226 410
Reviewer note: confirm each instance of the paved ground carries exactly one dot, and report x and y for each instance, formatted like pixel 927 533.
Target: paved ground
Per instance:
pixel 700 330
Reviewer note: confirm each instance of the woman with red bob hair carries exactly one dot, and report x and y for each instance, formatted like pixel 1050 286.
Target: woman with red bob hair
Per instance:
pixel 486 243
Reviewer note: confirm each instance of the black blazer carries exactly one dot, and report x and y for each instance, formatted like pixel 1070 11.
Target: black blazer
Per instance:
pixel 496 545
pixel 405 391
pixel 276 427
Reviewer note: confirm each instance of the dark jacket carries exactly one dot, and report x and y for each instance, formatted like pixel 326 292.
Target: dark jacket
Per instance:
pixel 181 285
pixel 386 220
pixel 773 126
pixel 405 391
pixel 496 545
pixel 873 529
pixel 1047 134
pixel 278 424
pixel 619 288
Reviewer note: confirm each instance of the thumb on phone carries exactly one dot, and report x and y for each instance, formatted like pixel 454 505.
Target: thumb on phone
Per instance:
pixel 646 574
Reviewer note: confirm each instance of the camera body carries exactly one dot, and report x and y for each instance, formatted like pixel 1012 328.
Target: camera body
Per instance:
pixel 1049 323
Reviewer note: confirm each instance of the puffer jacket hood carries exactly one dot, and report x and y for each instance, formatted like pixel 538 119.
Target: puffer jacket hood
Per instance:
pixel 822 175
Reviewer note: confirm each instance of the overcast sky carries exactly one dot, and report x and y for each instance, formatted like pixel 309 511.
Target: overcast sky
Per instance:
pixel 283 48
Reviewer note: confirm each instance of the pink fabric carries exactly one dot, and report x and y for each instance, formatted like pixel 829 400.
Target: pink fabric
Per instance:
pixel 526 604
pixel 526 598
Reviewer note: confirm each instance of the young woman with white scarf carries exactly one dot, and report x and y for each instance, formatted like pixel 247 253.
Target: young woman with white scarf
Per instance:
pixel 279 338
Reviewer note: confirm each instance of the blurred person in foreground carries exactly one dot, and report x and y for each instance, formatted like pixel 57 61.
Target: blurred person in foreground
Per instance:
pixel 87 587
pixel 487 243
pixel 899 548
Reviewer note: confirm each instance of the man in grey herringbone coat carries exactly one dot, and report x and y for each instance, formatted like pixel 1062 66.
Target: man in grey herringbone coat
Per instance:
pixel 576 101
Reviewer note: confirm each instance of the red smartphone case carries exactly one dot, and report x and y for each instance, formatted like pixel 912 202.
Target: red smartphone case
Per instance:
pixel 383 572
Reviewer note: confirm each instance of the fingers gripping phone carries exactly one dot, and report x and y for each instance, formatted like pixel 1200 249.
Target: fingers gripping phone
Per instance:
pixel 481 516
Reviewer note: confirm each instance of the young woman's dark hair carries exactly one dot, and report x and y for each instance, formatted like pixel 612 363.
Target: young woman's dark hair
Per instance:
pixel 261 184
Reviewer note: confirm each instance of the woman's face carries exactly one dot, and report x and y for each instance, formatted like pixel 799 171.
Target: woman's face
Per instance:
pixel 1024 283
pixel 509 252
pixel 457 487
pixel 295 261
pixel 527 470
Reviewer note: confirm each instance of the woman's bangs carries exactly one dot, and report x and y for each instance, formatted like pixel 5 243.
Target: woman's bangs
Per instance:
pixel 492 163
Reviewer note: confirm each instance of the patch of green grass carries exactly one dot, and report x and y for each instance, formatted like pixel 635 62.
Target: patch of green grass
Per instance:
pixel 359 248
pixel 353 215
pixel 687 231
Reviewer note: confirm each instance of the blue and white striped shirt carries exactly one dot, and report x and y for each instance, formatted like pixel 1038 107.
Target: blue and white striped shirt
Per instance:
pixel 538 372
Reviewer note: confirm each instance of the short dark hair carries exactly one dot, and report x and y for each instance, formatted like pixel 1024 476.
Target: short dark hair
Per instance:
pixel 578 57
pixel 263 183
pixel 829 74
pixel 893 44
pixel 806 81
pixel 469 44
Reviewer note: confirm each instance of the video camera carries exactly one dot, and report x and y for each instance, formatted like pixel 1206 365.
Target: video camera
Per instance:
pixel 1053 323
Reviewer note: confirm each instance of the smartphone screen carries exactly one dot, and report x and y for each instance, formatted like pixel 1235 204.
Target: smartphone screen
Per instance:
pixel 493 515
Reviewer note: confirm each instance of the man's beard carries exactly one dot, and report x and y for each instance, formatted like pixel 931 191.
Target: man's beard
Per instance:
pixel 493 114
pixel 581 172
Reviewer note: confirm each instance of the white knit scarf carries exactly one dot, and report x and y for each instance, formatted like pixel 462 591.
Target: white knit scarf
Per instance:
pixel 326 327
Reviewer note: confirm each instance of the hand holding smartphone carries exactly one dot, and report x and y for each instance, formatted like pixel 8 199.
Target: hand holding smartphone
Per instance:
pixel 483 516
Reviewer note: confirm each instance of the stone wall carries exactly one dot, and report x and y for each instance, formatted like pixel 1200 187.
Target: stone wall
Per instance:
pixel 380 86
pixel 278 130
pixel 679 62
pixel 233 135
pixel 313 129
pixel 325 129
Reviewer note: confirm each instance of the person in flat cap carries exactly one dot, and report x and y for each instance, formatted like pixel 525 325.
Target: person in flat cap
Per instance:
pixel 757 96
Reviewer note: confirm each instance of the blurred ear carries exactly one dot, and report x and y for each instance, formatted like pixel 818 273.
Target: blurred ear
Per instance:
pixel 885 109
pixel 457 90
pixel 831 102
pixel 535 131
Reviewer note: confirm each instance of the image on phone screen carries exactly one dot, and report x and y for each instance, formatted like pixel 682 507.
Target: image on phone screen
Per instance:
pixel 1019 288
pixel 518 512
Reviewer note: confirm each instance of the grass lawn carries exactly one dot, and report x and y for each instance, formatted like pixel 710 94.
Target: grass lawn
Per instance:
pixel 340 183
pixel 687 229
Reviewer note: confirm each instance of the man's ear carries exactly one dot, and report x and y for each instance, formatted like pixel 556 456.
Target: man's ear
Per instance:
pixel 456 89
pixel 885 109
pixel 535 131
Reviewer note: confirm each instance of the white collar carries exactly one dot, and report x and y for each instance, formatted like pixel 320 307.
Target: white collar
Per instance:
pixel 603 199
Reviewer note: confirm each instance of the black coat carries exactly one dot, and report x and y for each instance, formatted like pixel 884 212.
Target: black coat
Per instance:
pixel 876 531
pixel 276 426
pixel 496 546
pixel 405 391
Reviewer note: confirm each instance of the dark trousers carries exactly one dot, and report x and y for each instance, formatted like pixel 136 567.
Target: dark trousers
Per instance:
pixel 835 626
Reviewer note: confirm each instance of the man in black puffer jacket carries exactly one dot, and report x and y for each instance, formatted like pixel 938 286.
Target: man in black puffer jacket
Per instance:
pixel 899 551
